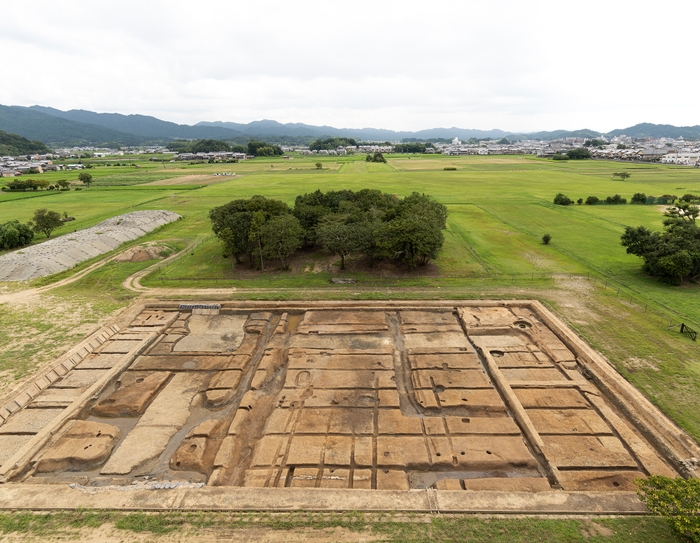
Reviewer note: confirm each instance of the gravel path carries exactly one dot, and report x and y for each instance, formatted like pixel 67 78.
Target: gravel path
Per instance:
pixel 62 253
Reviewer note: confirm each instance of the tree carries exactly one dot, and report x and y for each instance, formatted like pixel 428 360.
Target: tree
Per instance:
pixel 45 221
pixel 562 200
pixel 579 201
pixel 622 175
pixel 319 166
pixel 14 234
pixel 64 184
pixel 592 200
pixel 281 236
pixel 546 239
pixel 86 178
pixel 413 240
pixel 338 238
pixel 639 198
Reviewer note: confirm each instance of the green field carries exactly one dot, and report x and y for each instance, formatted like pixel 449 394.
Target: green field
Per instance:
pixel 499 208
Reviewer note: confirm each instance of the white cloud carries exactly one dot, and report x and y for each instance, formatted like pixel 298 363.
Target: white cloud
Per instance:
pixel 515 65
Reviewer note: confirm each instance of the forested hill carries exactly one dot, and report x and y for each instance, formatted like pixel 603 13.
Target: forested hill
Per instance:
pixel 56 131
pixel 14 145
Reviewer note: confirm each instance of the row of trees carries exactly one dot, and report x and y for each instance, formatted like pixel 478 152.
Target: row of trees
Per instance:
pixel 415 147
pixel 674 254
pixel 368 222
pixel 639 198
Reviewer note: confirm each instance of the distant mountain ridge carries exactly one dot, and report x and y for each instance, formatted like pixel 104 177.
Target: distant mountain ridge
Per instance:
pixel 79 127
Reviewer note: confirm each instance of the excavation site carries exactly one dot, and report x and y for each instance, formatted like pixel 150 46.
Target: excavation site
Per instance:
pixel 437 406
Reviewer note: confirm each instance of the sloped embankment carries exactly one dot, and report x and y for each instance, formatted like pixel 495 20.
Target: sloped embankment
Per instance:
pixel 63 253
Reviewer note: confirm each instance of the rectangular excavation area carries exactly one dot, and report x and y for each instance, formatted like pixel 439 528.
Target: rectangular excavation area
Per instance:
pixel 462 396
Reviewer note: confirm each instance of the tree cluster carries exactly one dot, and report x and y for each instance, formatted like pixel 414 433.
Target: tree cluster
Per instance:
pixel 367 222
pixel 331 143
pixel 14 234
pixel 578 154
pixel 674 254
pixel 376 157
pixel 261 148
pixel 205 146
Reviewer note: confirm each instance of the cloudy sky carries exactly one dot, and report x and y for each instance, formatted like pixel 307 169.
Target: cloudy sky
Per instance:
pixel 405 65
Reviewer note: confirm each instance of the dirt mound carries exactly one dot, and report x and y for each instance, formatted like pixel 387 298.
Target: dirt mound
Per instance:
pixel 142 253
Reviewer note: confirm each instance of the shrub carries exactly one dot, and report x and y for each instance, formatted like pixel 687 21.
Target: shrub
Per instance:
pixel 562 200
pixel 450 168
pixel 676 500
pixel 639 198
pixel 546 239
pixel 559 156
pixel 592 200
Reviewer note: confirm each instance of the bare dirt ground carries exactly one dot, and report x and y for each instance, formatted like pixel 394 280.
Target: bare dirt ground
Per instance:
pixel 192 180
pixel 109 534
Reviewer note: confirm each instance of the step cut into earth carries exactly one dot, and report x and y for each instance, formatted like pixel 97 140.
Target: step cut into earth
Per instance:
pixel 386 396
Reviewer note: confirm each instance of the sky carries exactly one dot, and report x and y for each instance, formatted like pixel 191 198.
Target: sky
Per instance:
pixel 402 65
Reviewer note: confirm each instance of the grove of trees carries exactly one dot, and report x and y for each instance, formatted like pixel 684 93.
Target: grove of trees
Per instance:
pixel 367 222
pixel 261 148
pixel 331 143
pixel 674 254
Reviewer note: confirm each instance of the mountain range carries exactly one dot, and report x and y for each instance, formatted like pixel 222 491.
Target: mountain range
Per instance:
pixel 79 127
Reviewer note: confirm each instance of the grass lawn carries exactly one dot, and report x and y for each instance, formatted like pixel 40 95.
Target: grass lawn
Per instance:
pixel 499 209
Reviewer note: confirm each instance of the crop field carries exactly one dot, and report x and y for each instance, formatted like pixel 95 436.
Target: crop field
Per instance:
pixel 499 209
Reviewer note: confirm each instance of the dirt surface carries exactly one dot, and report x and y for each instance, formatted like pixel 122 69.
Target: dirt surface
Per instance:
pixel 142 253
pixel 481 396
pixel 109 534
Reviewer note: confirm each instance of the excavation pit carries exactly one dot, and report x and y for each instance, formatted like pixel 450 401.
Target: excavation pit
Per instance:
pixel 439 406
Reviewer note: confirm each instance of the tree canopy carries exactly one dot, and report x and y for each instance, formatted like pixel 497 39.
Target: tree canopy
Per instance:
pixel 367 222
pixel 45 221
